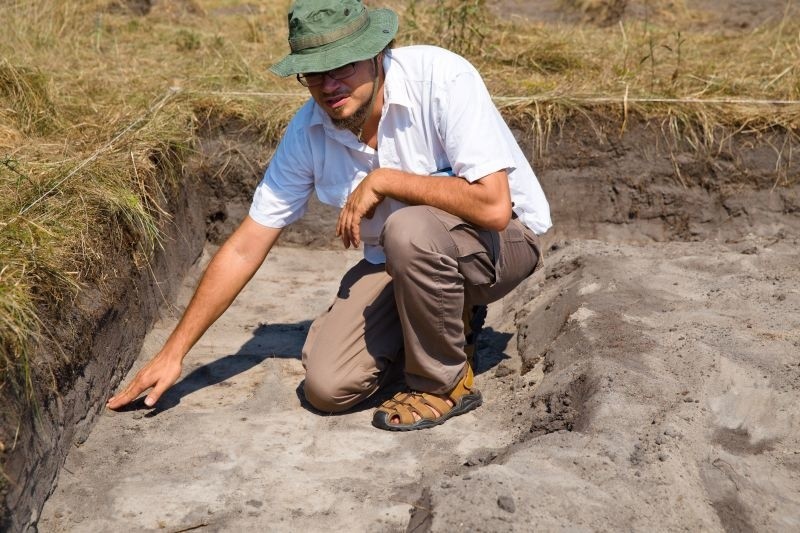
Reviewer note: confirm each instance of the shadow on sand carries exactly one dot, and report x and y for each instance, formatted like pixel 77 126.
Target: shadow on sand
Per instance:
pixel 269 341
pixel 286 341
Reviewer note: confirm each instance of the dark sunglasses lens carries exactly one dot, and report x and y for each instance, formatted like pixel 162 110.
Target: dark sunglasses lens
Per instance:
pixel 310 80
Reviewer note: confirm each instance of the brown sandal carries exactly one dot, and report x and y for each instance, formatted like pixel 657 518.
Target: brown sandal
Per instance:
pixel 404 405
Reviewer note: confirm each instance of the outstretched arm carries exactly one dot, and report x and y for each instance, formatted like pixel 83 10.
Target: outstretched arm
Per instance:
pixel 485 202
pixel 227 273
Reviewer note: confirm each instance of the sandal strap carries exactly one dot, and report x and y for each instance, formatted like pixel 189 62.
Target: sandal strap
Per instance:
pixel 397 407
pixel 427 406
pixel 404 412
pixel 465 386
pixel 438 403
pixel 405 405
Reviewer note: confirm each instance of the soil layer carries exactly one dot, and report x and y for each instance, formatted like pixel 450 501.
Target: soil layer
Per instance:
pixel 104 328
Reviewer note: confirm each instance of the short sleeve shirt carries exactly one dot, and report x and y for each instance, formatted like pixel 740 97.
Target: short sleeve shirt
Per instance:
pixel 437 116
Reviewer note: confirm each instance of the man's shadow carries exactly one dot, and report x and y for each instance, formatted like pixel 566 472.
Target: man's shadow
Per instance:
pixel 283 341
pixel 491 349
pixel 286 341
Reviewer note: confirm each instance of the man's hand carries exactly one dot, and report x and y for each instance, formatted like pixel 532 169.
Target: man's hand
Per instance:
pixel 160 373
pixel 360 204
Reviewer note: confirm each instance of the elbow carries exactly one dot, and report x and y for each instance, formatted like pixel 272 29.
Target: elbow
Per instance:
pixel 497 218
pixel 496 208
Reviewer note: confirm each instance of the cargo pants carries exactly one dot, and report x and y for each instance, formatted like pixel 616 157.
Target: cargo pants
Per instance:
pixel 409 311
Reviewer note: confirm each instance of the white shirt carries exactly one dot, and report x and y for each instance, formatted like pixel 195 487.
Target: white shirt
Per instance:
pixel 437 114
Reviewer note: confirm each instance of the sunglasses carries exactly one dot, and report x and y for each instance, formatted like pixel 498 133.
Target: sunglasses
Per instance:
pixel 313 79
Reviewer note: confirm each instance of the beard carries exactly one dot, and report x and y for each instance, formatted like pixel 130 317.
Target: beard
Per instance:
pixel 355 121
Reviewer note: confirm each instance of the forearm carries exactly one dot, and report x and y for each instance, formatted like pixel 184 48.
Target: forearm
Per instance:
pixel 486 202
pixel 232 267
pixel 229 271
pixel 213 296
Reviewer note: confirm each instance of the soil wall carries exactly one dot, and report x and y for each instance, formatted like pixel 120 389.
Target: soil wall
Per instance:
pixel 103 331
pixel 642 186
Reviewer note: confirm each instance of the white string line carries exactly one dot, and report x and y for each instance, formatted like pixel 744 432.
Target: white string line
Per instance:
pixel 525 99
pixel 250 93
pixel 154 108
pixel 628 99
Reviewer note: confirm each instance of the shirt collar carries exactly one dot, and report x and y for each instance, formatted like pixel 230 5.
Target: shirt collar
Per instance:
pixel 395 92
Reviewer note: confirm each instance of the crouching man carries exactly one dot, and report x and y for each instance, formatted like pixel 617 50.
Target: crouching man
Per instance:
pixel 407 142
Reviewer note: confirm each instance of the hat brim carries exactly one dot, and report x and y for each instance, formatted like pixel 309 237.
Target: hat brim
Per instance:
pixel 364 44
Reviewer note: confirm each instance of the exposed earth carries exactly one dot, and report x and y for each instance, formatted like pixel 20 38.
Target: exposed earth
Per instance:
pixel 647 378
pixel 650 386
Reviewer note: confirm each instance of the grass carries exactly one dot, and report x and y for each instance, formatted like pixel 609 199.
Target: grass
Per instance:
pixel 95 100
pixel 702 84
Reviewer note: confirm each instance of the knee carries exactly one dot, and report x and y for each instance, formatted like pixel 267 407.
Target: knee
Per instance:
pixel 321 393
pixel 331 396
pixel 412 232
pixel 401 228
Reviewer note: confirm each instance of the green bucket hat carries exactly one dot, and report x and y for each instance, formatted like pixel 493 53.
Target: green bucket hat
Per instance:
pixel 328 34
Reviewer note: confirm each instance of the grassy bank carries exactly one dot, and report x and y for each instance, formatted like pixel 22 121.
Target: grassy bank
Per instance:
pixel 99 101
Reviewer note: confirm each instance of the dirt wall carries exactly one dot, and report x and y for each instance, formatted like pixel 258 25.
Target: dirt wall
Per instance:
pixel 100 336
pixel 643 186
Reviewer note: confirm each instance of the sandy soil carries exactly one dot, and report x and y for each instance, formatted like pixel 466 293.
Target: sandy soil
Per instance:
pixel 650 386
pixel 233 446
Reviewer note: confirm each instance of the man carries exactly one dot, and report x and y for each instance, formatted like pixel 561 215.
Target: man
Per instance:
pixel 408 143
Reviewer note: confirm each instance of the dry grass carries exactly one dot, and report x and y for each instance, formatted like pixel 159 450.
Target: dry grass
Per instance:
pixel 96 97
pixel 666 64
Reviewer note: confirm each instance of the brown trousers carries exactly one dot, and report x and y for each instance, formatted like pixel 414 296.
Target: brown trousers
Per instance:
pixel 411 308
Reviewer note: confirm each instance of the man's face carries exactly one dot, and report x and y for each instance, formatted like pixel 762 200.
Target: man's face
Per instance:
pixel 347 100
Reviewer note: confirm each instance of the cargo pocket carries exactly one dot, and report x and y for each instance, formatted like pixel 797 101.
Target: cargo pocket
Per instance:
pixel 515 258
pixel 477 249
